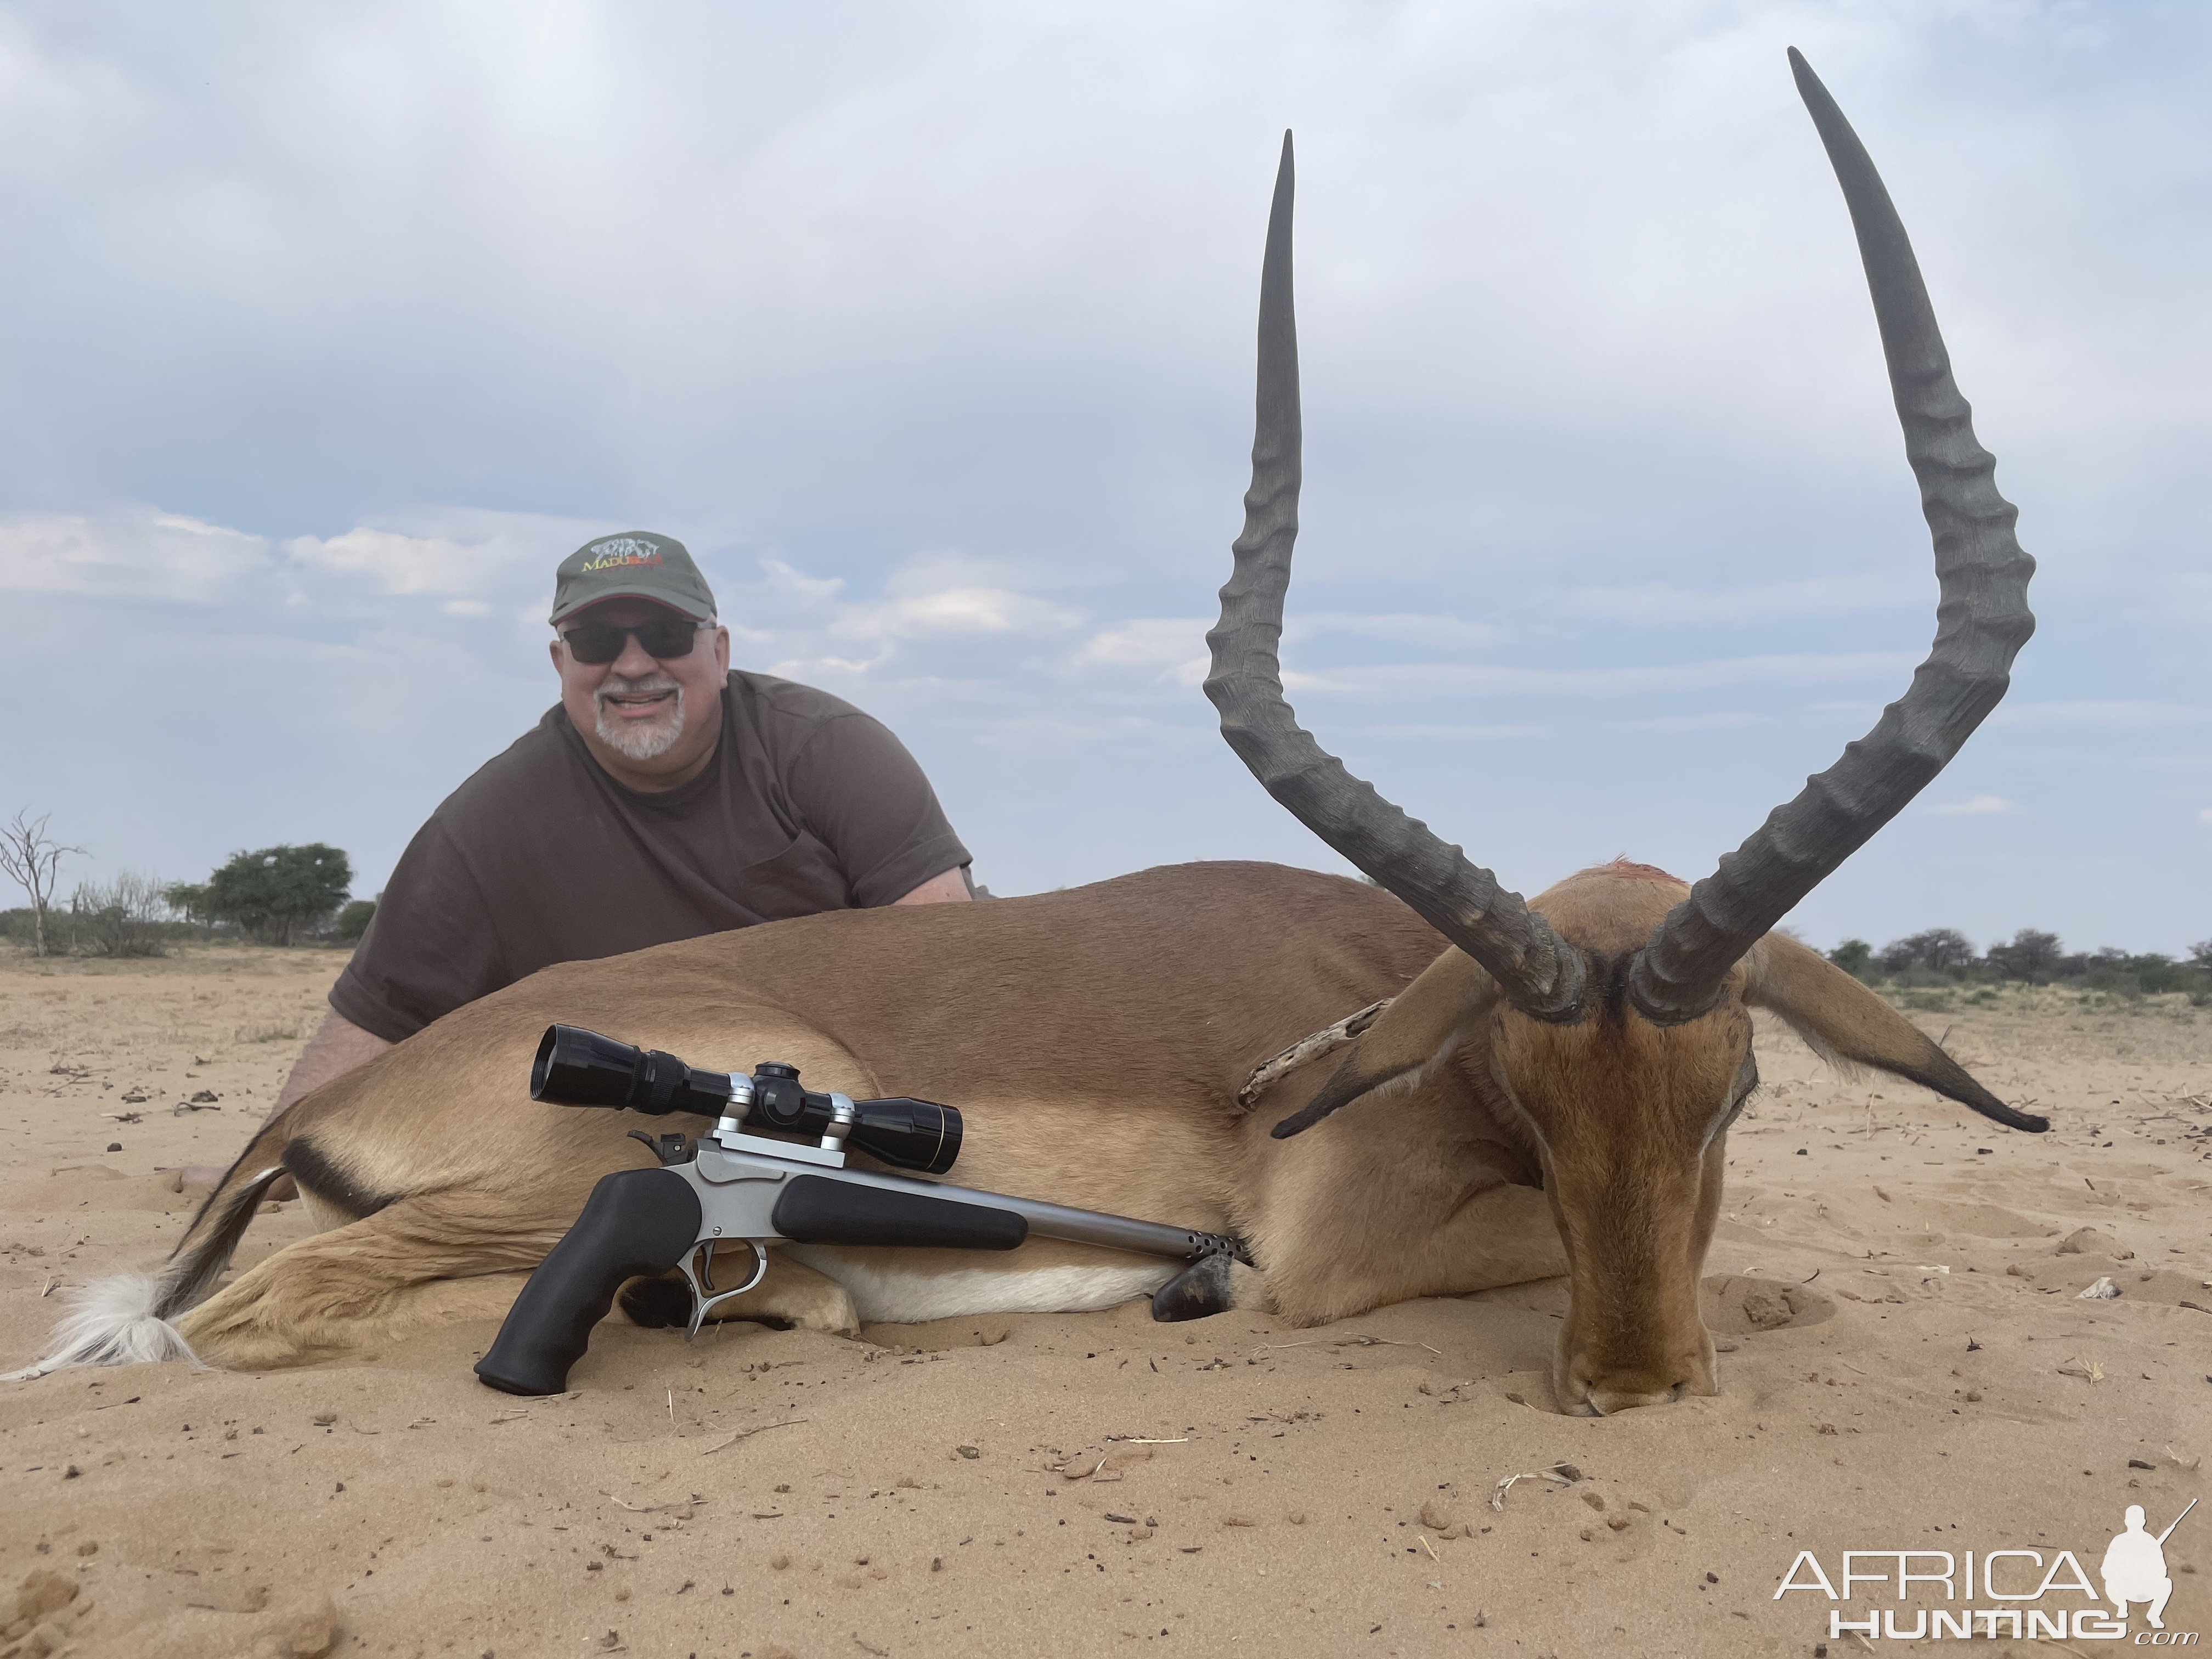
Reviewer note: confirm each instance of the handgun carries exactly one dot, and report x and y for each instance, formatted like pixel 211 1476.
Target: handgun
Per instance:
pixel 773 1168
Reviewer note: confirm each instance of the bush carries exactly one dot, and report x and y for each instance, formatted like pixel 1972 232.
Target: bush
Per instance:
pixel 353 920
pixel 2033 956
pixel 279 893
pixel 125 917
pixel 1939 950
pixel 1855 957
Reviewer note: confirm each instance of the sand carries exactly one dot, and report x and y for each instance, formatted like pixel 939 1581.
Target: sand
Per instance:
pixel 1908 1366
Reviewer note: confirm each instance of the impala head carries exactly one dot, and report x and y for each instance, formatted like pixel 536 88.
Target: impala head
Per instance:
pixel 1615 1014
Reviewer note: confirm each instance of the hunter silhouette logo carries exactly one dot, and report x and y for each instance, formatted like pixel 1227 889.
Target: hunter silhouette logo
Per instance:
pixel 2022 1591
pixel 2134 1568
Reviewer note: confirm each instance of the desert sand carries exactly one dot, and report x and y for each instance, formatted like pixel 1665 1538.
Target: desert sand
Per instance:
pixel 1908 1365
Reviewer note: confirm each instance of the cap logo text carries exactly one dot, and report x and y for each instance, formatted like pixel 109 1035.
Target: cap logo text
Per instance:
pixel 620 550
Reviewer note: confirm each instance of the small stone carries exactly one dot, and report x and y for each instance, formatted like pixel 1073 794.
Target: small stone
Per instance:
pixel 1593 1500
pixel 1768 1308
pixel 1296 1517
pixel 1973 1396
pixel 307 1630
pixel 88 1547
pixel 1238 1521
pixel 779 1561
pixel 324 1419
pixel 114 1145
pixel 2088 1240
pixel 970 1453
pixel 1437 1514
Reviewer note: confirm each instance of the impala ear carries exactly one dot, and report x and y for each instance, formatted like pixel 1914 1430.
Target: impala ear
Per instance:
pixel 1426 1021
pixel 1844 1022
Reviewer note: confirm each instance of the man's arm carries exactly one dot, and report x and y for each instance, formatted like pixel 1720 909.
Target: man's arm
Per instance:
pixel 951 888
pixel 339 1046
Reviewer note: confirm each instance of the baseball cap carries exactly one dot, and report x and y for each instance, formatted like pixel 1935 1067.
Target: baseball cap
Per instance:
pixel 637 564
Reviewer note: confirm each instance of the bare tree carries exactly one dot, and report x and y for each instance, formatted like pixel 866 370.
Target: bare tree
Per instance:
pixel 125 916
pixel 31 858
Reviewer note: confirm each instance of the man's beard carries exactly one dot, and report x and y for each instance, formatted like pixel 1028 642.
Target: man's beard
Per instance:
pixel 635 740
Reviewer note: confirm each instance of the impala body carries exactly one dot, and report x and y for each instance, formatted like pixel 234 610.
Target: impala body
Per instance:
pixel 1550 1093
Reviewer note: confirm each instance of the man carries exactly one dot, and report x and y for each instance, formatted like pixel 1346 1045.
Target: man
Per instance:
pixel 664 797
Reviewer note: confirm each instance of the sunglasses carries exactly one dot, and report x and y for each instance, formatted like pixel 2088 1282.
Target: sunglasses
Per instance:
pixel 602 642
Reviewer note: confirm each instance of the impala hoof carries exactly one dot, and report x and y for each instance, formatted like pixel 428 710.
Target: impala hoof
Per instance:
pixel 1199 1291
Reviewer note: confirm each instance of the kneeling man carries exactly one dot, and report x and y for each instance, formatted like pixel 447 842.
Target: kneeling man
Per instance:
pixel 664 796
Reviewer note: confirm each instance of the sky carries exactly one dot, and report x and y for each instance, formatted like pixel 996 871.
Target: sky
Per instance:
pixel 326 332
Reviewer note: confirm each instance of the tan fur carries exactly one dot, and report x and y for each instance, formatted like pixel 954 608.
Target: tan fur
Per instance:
pixel 1626 1119
pixel 1095 1040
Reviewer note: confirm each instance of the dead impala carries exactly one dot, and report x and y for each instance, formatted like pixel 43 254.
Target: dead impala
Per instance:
pixel 1553 1092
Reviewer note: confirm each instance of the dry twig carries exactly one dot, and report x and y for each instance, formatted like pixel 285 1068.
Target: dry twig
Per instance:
pixel 747 1434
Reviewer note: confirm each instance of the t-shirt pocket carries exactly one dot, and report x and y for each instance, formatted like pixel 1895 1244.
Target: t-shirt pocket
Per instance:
pixel 800 880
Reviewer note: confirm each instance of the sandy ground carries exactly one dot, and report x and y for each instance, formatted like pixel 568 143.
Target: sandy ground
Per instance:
pixel 1907 1367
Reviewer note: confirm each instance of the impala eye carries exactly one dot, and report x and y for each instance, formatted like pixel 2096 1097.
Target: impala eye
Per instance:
pixel 1740 1091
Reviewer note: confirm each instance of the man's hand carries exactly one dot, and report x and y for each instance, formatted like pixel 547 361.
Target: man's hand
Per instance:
pixel 951 888
pixel 339 1046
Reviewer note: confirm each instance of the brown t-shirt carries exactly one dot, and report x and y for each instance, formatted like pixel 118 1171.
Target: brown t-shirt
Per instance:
pixel 541 857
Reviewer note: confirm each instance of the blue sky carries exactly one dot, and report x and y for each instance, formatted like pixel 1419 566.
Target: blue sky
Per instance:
pixel 325 332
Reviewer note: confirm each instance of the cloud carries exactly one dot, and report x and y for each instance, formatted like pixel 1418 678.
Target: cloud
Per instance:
pixel 462 557
pixel 2111 713
pixel 1453 679
pixel 2204 818
pixel 1428 633
pixel 1729 720
pixel 131 554
pixel 1172 648
pixel 1661 605
pixel 1972 806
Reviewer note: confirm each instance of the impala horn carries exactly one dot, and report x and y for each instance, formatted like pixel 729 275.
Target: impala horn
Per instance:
pixel 1982 621
pixel 1536 971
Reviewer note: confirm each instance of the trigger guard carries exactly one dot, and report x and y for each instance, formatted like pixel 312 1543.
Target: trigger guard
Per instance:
pixel 705 1300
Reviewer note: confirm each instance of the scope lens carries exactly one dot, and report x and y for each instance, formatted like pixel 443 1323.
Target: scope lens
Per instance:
pixel 912 1134
pixel 577 1067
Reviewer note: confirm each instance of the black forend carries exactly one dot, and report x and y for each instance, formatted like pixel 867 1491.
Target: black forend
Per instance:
pixel 816 1210
pixel 636 1221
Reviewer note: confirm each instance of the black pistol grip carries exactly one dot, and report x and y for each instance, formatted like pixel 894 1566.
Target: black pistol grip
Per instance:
pixel 816 1209
pixel 636 1222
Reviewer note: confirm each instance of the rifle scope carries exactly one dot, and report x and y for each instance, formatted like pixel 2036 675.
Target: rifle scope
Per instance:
pixel 577 1067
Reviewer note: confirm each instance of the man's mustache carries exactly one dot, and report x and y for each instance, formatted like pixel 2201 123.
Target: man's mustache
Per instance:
pixel 651 684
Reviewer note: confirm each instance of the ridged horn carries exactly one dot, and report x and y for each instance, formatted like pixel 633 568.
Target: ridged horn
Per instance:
pixel 1536 971
pixel 1982 621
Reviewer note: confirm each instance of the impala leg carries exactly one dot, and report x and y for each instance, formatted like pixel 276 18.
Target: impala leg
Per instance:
pixel 370 1281
pixel 1497 1234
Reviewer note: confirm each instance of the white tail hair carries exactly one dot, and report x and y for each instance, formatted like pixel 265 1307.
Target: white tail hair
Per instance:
pixel 112 1321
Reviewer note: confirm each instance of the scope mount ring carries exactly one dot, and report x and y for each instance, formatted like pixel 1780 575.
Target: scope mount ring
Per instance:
pixel 705 1298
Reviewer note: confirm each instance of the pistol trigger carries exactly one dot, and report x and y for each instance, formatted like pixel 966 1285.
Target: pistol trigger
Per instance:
pixel 669 1149
pixel 700 1296
pixel 702 1304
